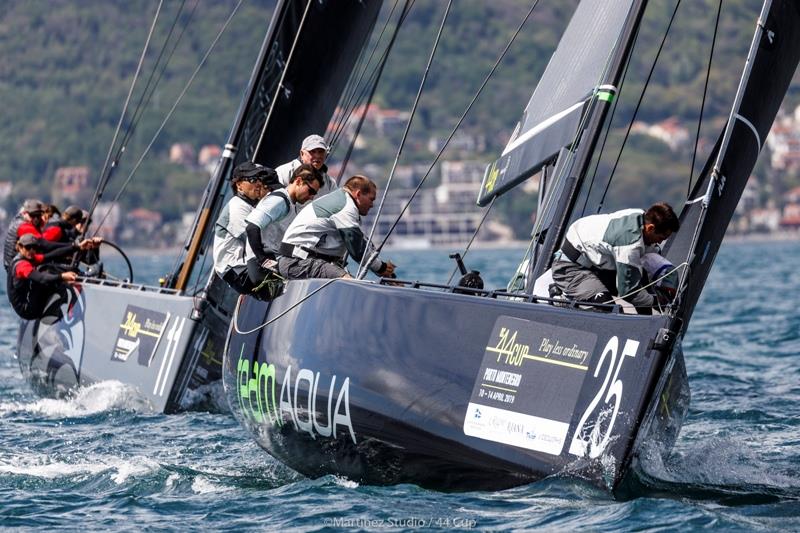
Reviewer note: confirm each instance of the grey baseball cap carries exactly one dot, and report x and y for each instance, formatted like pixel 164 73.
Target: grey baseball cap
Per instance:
pixel 28 240
pixel 31 205
pixel 312 142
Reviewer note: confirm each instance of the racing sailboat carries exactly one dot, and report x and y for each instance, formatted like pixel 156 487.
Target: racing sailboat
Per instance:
pixel 166 341
pixel 474 389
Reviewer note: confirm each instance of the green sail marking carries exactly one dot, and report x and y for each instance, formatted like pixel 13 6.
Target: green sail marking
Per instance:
pixel 606 96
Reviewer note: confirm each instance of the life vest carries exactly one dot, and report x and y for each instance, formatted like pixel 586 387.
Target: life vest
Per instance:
pixel 60 231
pixel 26 296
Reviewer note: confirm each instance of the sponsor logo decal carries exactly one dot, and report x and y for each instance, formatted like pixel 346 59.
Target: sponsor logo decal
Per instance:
pixel 528 384
pixel 139 334
pixel 305 399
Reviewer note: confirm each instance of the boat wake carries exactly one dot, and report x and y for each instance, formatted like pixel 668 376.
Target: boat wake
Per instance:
pixel 210 397
pixel 86 401
pixel 718 469
pixel 40 466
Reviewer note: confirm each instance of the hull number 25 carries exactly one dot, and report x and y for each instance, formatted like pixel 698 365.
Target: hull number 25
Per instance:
pixel 592 440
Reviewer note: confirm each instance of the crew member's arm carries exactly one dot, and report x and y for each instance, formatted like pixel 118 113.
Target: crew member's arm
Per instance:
pixel 268 210
pixel 256 244
pixel 356 245
pixel 25 270
pixel 53 233
pixel 629 274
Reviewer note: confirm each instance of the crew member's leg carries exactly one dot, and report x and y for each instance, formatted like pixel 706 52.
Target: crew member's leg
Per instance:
pixel 579 283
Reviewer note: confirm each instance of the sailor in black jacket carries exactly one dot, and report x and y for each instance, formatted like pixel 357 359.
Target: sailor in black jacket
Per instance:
pixel 29 287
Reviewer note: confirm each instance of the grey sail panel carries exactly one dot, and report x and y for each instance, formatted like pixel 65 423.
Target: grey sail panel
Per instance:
pixel 552 117
pixel 777 53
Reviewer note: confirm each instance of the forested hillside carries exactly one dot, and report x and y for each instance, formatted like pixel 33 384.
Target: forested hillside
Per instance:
pixel 66 67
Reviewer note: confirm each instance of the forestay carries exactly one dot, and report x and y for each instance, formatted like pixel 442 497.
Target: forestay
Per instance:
pixel 772 61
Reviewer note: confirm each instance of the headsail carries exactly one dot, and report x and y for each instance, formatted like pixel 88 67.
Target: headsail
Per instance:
pixel 554 112
pixel 772 61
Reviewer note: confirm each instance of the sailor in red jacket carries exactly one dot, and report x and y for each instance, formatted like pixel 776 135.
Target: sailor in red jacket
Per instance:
pixel 30 221
pixel 29 287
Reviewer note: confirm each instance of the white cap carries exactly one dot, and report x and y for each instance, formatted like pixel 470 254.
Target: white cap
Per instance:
pixel 312 142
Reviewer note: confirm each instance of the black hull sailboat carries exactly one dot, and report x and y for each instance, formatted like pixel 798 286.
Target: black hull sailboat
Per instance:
pixel 166 341
pixel 458 388
pixel 449 390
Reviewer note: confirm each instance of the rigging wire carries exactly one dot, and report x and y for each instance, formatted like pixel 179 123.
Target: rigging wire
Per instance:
pixel 455 128
pixel 703 102
pixel 638 105
pixel 283 76
pixel 405 136
pixel 235 319
pixel 342 115
pixel 104 175
pixel 171 111
pixel 373 86
pixel 144 98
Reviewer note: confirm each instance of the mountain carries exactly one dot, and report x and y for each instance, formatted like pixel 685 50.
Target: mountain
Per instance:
pixel 66 67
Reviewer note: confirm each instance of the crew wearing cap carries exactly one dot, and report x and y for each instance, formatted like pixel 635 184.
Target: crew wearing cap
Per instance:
pixel 314 152
pixel 28 221
pixel 28 287
pixel 271 210
pixel 250 181
pixel 65 228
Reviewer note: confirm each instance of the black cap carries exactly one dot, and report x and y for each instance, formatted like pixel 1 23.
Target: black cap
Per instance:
pixel 74 213
pixel 248 169
pixel 270 180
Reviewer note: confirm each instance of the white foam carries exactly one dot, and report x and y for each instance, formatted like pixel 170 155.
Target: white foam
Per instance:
pixel 344 482
pixel 96 398
pixel 203 485
pixel 39 466
pixel 136 466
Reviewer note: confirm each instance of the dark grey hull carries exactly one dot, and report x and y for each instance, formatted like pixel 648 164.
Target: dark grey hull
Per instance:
pixel 141 336
pixel 395 384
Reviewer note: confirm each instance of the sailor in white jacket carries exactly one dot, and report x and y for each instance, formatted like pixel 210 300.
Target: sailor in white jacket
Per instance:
pixel 314 152
pixel 249 181
pixel 317 243
pixel 601 255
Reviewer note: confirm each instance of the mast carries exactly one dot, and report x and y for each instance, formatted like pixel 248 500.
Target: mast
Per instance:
pixel 299 100
pixel 771 62
pixel 598 110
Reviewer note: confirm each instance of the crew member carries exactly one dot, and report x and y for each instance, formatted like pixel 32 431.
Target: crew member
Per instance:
pixel 314 152
pixel 28 220
pixel 249 181
pixel 271 210
pixel 601 256
pixel 29 287
pixel 64 228
pixel 318 241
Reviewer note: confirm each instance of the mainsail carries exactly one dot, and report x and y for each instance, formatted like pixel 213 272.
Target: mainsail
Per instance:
pixel 553 115
pixel 772 61
pixel 307 56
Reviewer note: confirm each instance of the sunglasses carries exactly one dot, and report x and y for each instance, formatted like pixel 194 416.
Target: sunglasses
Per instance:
pixel 28 246
pixel 36 214
pixel 252 179
pixel 311 190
